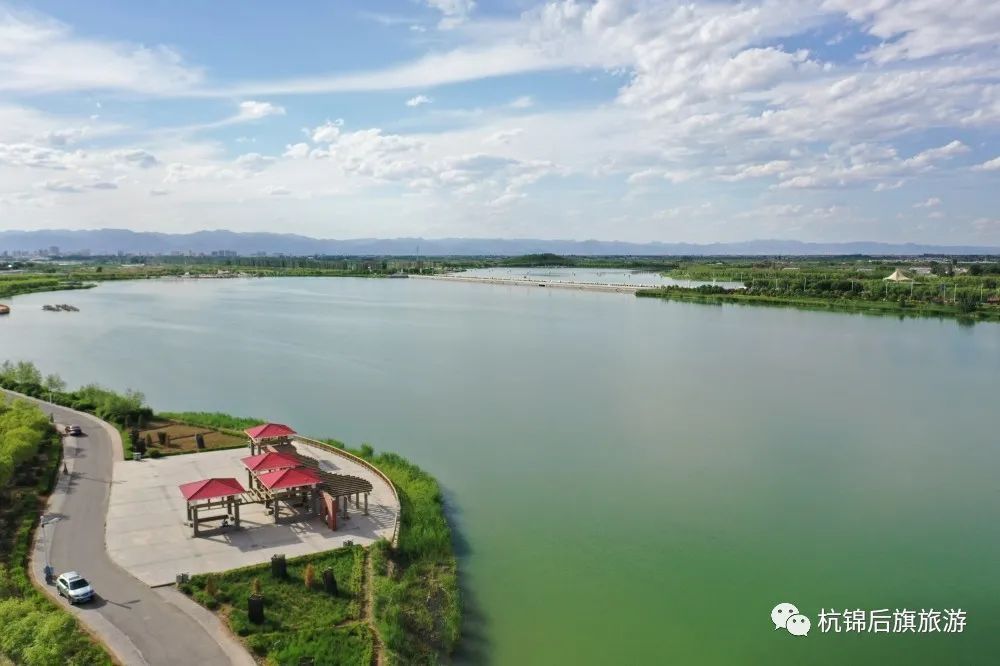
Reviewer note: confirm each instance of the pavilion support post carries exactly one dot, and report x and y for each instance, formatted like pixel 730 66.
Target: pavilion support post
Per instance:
pixel 345 500
pixel 357 500
pixel 188 504
pixel 194 519
pixel 236 513
pixel 276 504
pixel 366 504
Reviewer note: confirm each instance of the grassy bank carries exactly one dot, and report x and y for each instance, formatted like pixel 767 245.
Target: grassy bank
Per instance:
pixel 13 285
pixel 301 620
pixel 416 601
pixel 900 306
pixel 34 631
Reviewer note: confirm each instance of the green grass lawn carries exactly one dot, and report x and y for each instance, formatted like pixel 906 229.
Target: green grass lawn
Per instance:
pixel 299 622
pixel 34 631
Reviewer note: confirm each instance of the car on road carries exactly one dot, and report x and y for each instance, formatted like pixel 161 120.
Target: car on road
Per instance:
pixel 74 430
pixel 74 587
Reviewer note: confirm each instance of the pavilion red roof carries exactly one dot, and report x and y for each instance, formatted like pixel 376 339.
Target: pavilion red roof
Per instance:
pixel 269 430
pixel 211 489
pixel 289 478
pixel 265 462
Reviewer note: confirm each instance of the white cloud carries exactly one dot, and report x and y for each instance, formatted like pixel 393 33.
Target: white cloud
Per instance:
pixel 40 55
pixel 915 29
pixel 253 162
pixel 419 100
pixel 454 12
pixel 137 157
pixel 989 165
pixel 328 132
pixel 711 100
pixel 932 202
pixel 889 185
pixel 850 165
pixel 251 110
pixel 504 136
pixel 61 186
pixel 771 168
pixel 927 157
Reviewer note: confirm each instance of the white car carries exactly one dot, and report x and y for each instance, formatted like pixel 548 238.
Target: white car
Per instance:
pixel 74 587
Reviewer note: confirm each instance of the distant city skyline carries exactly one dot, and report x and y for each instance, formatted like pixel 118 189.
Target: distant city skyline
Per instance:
pixel 617 120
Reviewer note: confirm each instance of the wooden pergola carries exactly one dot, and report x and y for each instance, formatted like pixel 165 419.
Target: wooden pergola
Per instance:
pixel 335 490
pixel 215 493
pixel 271 444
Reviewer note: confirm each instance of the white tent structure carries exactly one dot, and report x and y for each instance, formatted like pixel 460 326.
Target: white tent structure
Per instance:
pixel 897 276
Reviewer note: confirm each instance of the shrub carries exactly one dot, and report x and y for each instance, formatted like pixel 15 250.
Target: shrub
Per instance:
pixel 259 644
pixel 309 576
pixel 213 420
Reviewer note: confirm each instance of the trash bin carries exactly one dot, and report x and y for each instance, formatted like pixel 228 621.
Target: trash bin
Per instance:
pixel 136 455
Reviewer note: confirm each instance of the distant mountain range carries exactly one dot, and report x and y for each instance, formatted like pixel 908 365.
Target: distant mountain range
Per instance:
pixel 113 241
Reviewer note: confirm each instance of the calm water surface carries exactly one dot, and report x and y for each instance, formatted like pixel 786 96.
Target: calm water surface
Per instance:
pixel 633 481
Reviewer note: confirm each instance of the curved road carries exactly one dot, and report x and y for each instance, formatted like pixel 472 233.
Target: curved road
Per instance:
pixel 139 624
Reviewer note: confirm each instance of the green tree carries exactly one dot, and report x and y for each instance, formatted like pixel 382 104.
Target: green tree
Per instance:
pixel 54 384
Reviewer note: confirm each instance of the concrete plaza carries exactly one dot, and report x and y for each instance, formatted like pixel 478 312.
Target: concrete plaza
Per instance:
pixel 147 536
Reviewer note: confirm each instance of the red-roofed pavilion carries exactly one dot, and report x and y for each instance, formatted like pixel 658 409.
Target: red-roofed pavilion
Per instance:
pixel 268 434
pixel 266 462
pixel 210 494
pixel 283 479
pixel 208 489
pixel 295 486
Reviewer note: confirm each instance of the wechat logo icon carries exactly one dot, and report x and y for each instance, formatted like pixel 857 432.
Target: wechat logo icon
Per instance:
pixel 786 616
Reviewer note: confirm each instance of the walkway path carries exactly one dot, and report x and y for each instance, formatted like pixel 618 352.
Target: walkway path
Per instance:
pixel 368 591
pixel 139 625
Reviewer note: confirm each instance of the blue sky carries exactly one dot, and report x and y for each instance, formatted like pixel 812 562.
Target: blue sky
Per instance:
pixel 612 119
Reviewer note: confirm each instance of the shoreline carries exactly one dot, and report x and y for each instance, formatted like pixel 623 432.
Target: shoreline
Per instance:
pixel 524 282
pixel 839 306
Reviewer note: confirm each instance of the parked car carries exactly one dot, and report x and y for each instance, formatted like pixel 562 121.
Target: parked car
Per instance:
pixel 74 430
pixel 74 587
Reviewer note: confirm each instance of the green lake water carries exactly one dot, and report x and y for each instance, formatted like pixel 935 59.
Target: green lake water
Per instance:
pixel 632 481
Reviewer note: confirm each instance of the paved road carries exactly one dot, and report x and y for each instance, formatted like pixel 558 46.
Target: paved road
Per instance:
pixel 158 631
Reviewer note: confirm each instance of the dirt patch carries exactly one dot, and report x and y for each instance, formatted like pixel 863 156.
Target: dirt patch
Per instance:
pixel 184 437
